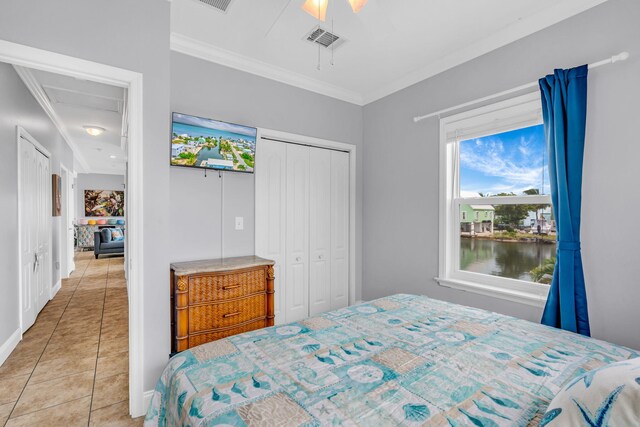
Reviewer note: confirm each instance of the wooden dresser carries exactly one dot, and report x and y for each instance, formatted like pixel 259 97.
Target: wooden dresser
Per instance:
pixel 213 299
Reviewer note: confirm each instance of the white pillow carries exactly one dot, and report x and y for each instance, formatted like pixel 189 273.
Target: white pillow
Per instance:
pixel 609 395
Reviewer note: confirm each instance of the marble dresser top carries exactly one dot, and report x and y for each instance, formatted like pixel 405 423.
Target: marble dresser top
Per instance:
pixel 219 264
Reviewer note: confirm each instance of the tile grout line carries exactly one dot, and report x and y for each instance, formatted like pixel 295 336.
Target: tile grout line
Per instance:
pixel 45 348
pixel 48 407
pixel 95 372
pixel 112 273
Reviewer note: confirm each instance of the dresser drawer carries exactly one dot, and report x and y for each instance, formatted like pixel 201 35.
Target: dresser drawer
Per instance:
pixel 210 287
pixel 206 337
pixel 216 298
pixel 229 313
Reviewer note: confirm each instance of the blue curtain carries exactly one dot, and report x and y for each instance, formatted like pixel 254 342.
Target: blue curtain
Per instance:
pixel 564 108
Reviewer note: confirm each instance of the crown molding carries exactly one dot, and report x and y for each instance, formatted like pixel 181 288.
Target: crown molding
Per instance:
pixel 189 46
pixel 38 93
pixel 510 34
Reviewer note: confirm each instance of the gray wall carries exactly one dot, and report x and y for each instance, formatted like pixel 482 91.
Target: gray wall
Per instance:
pixel 401 221
pixel 205 89
pixel 133 35
pixel 95 181
pixel 18 107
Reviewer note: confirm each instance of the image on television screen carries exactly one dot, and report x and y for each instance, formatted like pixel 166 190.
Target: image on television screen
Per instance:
pixel 211 144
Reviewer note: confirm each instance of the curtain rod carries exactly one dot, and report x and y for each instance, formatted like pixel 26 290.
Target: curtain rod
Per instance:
pixel 615 58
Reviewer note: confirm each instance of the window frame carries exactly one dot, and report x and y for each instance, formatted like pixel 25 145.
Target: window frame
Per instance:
pixel 515 113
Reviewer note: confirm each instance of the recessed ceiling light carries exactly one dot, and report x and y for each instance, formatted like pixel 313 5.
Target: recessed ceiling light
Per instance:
pixel 93 130
pixel 112 156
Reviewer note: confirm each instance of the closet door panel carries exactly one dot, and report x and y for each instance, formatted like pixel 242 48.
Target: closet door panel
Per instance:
pixel 297 233
pixel 271 215
pixel 339 229
pixel 28 237
pixel 44 264
pixel 319 231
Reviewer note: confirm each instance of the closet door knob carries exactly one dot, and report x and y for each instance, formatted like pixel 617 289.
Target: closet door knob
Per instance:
pixel 298 259
pixel 319 256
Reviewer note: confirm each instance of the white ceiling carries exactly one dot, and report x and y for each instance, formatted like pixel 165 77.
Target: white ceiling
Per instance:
pixel 76 103
pixel 391 44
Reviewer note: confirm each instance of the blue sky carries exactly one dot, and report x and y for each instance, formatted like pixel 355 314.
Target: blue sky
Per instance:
pixel 512 161
pixel 214 124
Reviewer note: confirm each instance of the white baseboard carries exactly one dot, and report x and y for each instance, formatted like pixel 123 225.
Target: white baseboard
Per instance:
pixel 9 345
pixel 56 288
pixel 146 400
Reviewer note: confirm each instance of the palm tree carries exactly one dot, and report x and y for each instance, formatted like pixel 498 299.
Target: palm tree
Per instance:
pixel 546 269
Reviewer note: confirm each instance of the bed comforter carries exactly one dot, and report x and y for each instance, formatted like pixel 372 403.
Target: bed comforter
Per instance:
pixel 401 360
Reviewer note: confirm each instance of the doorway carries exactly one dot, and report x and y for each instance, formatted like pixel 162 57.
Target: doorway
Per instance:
pixel 25 56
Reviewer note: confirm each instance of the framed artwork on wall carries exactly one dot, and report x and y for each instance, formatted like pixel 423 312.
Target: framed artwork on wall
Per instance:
pixel 56 203
pixel 103 203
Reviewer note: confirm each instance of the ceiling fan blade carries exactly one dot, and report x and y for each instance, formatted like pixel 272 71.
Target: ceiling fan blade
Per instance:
pixel 357 5
pixel 316 8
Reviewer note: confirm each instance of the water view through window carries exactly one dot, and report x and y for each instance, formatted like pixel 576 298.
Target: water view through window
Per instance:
pixel 513 240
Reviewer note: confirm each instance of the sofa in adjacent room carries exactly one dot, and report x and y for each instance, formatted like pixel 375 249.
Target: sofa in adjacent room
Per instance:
pixel 105 243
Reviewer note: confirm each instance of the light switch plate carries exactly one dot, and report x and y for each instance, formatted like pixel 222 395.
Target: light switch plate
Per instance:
pixel 239 223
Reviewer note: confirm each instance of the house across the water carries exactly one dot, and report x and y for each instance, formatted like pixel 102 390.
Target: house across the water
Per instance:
pixel 476 219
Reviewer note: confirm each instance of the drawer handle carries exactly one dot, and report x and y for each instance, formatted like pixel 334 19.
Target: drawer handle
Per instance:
pixel 231 314
pixel 226 288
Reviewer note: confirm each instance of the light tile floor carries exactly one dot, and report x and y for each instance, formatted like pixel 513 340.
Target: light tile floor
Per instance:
pixel 71 367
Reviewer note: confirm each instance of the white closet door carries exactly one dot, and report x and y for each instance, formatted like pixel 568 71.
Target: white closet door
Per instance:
pixel 43 201
pixel 28 238
pixel 297 233
pixel 70 206
pixel 319 231
pixel 339 229
pixel 271 214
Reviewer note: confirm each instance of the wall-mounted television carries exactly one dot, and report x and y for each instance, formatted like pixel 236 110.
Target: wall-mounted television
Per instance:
pixel 210 144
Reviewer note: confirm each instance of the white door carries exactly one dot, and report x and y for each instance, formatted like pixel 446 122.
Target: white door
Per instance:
pixel 66 225
pixel 303 223
pixel 320 198
pixel 28 238
pixel 42 195
pixel 339 229
pixel 71 209
pixel 297 234
pixel 35 230
pixel 271 219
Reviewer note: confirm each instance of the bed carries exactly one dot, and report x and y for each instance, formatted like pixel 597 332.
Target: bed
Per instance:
pixel 400 360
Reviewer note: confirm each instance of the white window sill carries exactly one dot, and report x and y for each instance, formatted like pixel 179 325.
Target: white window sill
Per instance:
pixel 522 297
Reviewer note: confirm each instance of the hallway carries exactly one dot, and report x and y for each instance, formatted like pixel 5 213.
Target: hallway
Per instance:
pixel 71 367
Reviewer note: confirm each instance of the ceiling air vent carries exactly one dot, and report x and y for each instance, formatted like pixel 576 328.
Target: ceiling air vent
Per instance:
pixel 221 5
pixel 324 38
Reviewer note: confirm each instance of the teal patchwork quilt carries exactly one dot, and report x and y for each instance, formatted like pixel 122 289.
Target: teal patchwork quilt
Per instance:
pixel 402 360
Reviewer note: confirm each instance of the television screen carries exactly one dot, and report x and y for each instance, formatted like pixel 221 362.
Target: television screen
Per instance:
pixel 210 144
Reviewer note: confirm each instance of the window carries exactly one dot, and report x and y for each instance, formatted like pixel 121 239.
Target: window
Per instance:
pixel 494 163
